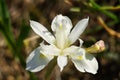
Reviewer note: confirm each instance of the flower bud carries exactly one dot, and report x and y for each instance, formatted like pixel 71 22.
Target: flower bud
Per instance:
pixel 99 46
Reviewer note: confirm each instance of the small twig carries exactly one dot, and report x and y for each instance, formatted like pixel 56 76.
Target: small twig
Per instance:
pixel 109 30
pixel 111 7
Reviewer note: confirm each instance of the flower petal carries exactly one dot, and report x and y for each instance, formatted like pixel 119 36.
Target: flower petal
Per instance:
pixel 42 31
pixel 71 51
pixel 86 64
pixel 49 50
pixel 62 62
pixel 37 61
pixel 61 22
pixel 78 29
pixel 61 26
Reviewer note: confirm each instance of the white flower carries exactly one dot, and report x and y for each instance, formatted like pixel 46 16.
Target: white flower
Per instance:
pixel 60 45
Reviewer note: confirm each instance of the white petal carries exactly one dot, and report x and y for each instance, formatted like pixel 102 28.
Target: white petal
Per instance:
pixel 61 21
pixel 78 29
pixel 42 31
pixel 87 64
pixel 37 61
pixel 71 51
pixel 49 50
pixel 62 62
pixel 61 26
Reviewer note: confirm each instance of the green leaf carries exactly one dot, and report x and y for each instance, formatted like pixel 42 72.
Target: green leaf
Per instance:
pixel 23 34
pixel 5 20
pixel 4 15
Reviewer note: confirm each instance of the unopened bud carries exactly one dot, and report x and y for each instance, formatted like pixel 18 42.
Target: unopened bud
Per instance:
pixel 99 46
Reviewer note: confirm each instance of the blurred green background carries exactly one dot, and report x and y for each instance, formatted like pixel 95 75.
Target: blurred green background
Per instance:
pixel 17 39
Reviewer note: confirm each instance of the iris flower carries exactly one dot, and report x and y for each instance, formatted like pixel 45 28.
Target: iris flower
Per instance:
pixel 61 45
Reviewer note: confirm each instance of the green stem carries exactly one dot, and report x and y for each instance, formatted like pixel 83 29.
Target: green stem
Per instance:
pixel 50 68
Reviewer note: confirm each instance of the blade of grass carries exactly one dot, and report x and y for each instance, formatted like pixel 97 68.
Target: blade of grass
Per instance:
pixel 23 34
pixel 5 24
pixel 108 13
pixel 5 18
